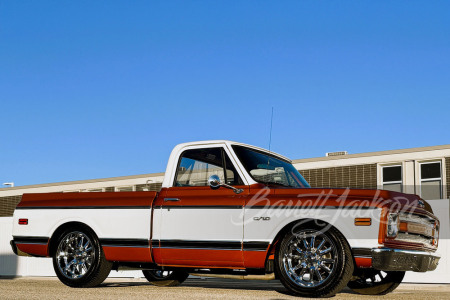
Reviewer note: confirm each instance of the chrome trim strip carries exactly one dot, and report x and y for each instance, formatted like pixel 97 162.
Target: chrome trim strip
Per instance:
pixel 137 243
pixel 362 252
pixel 211 245
pixel 35 240
pixel 412 252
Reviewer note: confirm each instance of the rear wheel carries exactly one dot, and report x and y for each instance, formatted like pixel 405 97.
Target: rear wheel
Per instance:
pixel 314 262
pixel 165 278
pixel 79 260
pixel 375 282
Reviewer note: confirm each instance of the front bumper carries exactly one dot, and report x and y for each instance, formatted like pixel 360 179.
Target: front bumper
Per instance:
pixel 387 259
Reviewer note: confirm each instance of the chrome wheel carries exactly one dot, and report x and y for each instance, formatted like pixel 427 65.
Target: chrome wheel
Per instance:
pixel 75 255
pixel 309 258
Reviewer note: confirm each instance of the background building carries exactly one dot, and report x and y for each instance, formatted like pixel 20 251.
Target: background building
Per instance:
pixel 424 171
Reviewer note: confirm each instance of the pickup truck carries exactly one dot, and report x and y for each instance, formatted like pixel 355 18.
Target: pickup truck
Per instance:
pixel 234 209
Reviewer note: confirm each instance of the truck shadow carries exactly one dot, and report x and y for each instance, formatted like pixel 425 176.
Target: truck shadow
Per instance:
pixel 228 284
pixel 261 285
pixel 8 266
pixel 213 283
pixel 219 283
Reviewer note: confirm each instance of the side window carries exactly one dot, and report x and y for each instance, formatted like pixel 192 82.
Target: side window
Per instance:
pixel 196 165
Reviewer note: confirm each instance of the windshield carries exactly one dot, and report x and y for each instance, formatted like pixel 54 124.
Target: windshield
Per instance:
pixel 268 169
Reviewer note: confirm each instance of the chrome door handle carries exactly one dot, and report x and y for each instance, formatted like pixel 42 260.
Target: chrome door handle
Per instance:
pixel 171 199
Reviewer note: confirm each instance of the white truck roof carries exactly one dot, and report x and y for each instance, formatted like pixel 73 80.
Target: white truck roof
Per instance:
pixel 173 161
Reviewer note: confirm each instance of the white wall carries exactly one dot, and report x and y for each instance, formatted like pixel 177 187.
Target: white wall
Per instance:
pixel 441 208
pixel 12 265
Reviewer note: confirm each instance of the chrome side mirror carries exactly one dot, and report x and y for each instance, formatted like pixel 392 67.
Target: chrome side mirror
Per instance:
pixel 214 183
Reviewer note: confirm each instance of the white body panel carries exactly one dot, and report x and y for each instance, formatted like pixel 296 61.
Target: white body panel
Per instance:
pixel 199 224
pixel 106 223
pixel 342 219
pixel 226 224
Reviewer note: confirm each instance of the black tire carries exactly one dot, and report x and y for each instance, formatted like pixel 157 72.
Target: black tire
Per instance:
pixel 165 278
pixel 314 262
pixel 79 260
pixel 375 282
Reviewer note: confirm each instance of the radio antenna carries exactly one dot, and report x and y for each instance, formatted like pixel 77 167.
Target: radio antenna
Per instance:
pixel 270 141
pixel 270 135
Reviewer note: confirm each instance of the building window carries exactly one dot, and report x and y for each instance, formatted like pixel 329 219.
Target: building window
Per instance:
pixel 129 188
pixel 431 180
pixel 392 178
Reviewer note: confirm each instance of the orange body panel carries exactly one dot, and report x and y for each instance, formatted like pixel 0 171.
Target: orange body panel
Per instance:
pixel 203 258
pixel 255 259
pixel 34 249
pixel 201 196
pixel 321 197
pixel 88 199
pixel 131 254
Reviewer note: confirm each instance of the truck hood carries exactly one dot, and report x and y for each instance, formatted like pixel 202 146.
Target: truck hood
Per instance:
pixel 355 197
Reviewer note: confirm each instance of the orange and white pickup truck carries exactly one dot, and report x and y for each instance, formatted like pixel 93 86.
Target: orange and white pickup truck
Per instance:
pixel 230 208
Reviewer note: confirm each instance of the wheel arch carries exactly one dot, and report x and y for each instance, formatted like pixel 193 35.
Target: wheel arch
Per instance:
pixel 53 244
pixel 317 223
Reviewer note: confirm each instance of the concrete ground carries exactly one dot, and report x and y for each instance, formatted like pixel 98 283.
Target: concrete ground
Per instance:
pixel 192 288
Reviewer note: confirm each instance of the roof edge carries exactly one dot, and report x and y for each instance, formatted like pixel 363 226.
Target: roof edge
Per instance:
pixel 376 153
pixel 21 187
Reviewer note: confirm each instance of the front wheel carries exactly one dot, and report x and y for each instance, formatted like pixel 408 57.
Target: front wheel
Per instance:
pixel 314 262
pixel 375 282
pixel 165 278
pixel 79 260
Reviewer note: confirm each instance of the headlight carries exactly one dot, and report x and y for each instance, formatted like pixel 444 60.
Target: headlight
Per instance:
pixel 393 224
pixel 413 228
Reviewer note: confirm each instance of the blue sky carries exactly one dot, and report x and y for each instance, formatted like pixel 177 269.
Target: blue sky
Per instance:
pixel 93 89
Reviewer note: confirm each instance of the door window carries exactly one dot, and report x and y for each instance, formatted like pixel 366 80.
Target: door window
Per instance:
pixel 196 165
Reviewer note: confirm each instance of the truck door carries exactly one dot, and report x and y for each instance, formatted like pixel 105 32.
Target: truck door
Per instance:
pixel 199 226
